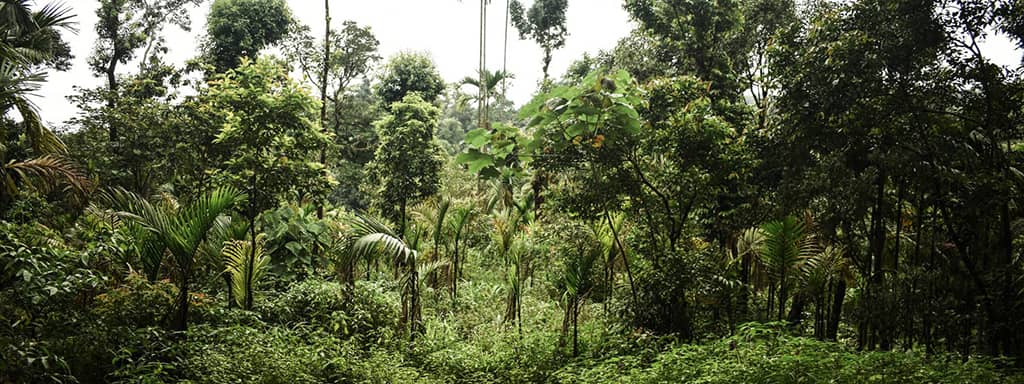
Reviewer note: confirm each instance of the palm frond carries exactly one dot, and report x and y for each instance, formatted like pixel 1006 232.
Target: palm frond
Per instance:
pixel 246 266
pixel 55 15
pixel 43 140
pixel 42 174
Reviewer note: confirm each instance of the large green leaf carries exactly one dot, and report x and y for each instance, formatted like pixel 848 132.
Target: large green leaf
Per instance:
pixel 475 159
pixel 478 137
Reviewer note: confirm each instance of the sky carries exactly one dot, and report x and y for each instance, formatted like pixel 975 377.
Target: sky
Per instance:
pixel 447 29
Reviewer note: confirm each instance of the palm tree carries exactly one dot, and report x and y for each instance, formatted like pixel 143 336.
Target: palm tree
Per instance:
pixel 784 249
pixel 370 239
pixel 825 276
pixel 460 218
pixel 182 231
pixel 575 284
pixel 27 40
pixel 485 82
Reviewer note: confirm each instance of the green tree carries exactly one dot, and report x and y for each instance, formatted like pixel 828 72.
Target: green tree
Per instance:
pixel 181 231
pixel 124 27
pixel 269 122
pixel 242 28
pixel 701 37
pixel 29 44
pixel 405 167
pixel 408 73
pixel 544 23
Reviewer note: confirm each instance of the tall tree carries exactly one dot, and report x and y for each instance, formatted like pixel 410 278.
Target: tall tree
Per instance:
pixel 405 167
pixel 269 122
pixel 242 28
pixel 408 73
pixel 124 27
pixel 544 23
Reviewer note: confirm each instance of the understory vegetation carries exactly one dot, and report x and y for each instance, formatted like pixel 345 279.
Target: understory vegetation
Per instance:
pixel 739 191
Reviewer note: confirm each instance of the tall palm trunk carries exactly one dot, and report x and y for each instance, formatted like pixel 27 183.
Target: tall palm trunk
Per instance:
pixel 180 323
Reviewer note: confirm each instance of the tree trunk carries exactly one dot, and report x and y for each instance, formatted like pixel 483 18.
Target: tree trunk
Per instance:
pixel 181 316
pixel 231 289
pixel 796 311
pixel 575 329
pixel 836 313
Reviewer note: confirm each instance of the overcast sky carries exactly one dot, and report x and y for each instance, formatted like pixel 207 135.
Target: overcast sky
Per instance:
pixel 447 29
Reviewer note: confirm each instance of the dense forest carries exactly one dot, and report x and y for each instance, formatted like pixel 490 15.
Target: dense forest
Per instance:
pixel 739 191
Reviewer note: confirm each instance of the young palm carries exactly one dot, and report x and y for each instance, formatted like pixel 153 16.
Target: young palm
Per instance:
pixel 783 250
pixel 372 239
pixel 245 265
pixel 460 218
pixel 181 231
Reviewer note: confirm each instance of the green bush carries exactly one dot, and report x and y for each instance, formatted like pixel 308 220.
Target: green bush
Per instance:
pixel 775 358
pixel 287 355
pixel 365 310
pixel 137 303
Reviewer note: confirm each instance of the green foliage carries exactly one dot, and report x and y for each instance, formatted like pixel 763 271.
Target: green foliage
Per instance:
pixel 408 73
pixel 269 123
pixel 136 303
pixel 182 231
pixel 246 265
pixel 30 42
pixel 496 153
pixel 780 359
pixel 406 165
pixel 293 232
pixel 287 355
pixel 242 28
pixel 364 310
pixel 700 36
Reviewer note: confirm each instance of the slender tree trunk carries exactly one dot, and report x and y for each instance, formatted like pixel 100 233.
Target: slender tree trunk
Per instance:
pixel 231 289
pixel 112 86
pixel 743 298
pixel 622 251
pixel 504 59
pixel 181 316
pixel 323 114
pixel 414 301
pixel 247 304
pixel 401 215
pixel 455 270
pixel 575 329
pixel 836 313
pixel 547 64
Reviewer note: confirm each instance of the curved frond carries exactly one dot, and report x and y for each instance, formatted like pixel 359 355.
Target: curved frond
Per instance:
pixel 43 140
pixel 43 174
pixel 246 266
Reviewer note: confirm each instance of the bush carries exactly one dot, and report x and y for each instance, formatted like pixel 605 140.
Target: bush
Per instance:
pixel 771 357
pixel 137 303
pixel 287 355
pixel 366 310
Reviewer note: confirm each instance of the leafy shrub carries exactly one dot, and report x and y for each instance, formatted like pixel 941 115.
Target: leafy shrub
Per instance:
pixel 771 357
pixel 366 310
pixel 137 303
pixel 287 355
pixel 45 290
